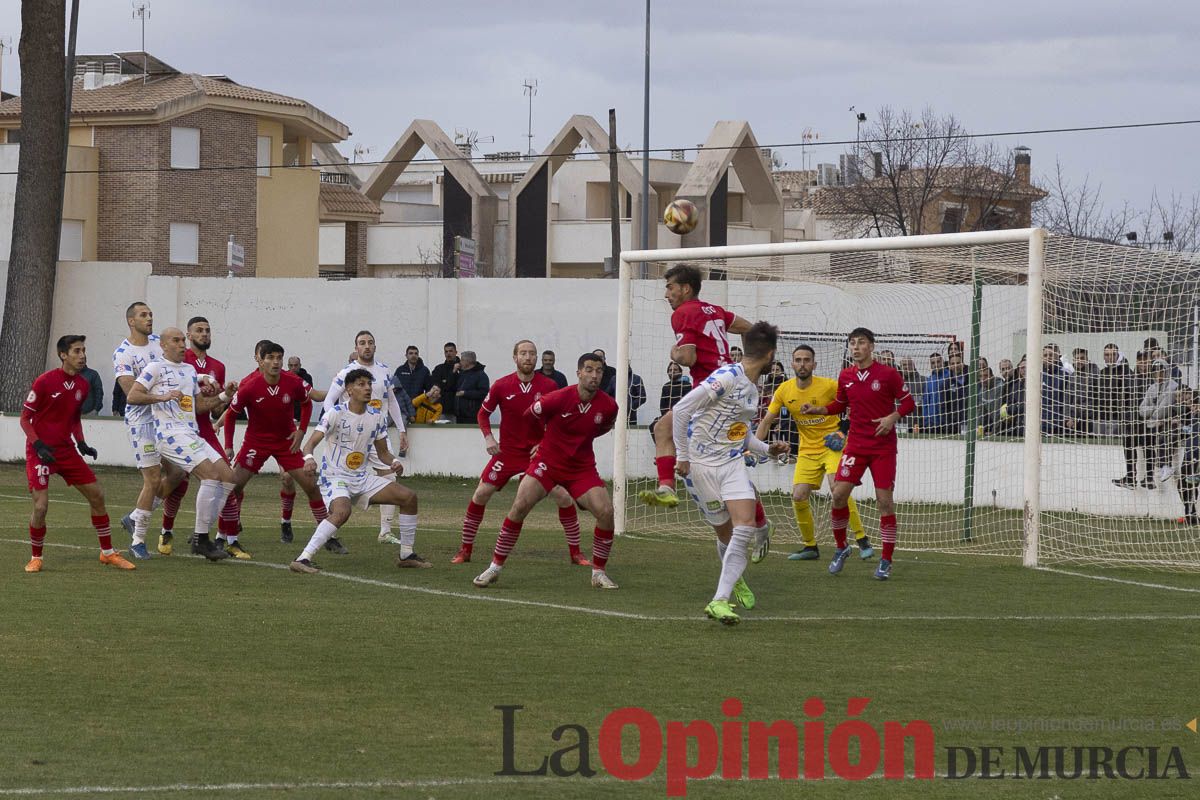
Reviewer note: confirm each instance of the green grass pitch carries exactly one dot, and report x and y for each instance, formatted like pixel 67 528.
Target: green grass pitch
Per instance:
pixel 243 680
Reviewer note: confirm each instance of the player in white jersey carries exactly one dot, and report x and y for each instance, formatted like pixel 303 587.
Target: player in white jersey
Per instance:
pixel 384 400
pixel 140 349
pixel 713 434
pixel 353 432
pixel 171 390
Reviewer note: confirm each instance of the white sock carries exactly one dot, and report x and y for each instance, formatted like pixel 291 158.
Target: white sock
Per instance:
pixel 141 522
pixel 408 533
pixel 734 563
pixel 721 548
pixel 158 501
pixel 321 535
pixel 209 500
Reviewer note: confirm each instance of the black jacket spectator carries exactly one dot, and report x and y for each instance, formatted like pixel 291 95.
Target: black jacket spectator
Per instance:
pixel 608 381
pixel 672 392
pixel 95 399
pixel 303 375
pixel 557 377
pixel 473 383
pixel 445 377
pixel 416 379
pixel 637 395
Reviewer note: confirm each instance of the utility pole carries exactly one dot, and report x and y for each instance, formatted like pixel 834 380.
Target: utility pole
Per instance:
pixel 531 85
pixel 5 49
pixel 614 192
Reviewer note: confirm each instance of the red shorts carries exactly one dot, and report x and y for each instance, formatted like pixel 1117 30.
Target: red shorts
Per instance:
pixel 577 484
pixel 853 466
pixel 67 463
pixel 254 455
pixel 503 467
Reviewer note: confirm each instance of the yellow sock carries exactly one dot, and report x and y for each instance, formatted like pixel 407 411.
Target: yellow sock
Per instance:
pixel 804 521
pixel 856 526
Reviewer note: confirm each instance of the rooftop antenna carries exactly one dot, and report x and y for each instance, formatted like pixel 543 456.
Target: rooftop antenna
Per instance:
pixel 360 150
pixel 5 48
pixel 141 10
pixel 531 87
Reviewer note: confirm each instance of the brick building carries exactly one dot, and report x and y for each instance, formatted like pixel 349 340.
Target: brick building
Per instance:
pixel 185 161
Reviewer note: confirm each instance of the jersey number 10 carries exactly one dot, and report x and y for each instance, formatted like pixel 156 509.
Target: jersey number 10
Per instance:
pixel 715 330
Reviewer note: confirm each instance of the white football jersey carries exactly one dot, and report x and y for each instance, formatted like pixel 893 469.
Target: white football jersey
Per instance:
pixel 349 440
pixel 161 377
pixel 131 359
pixel 717 433
pixel 383 395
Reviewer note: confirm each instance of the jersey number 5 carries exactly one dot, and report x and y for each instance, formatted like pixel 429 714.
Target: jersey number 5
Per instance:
pixel 715 330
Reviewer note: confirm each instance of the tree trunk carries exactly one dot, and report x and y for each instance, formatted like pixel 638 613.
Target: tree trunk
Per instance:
pixel 38 206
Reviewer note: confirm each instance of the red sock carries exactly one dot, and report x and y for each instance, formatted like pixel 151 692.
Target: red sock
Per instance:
pixel 231 515
pixel 666 470
pixel 471 521
pixel 570 523
pixel 509 533
pixel 318 510
pixel 171 505
pixel 760 515
pixel 287 501
pixel 887 533
pixel 37 537
pixel 102 531
pixel 841 521
pixel 601 547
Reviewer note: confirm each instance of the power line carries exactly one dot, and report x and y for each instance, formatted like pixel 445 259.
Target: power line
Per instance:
pixel 639 151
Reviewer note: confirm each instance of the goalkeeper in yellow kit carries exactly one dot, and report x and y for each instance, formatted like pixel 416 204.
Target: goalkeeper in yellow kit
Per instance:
pixel 821 442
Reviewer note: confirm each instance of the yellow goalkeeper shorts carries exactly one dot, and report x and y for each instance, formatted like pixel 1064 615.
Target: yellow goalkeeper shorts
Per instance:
pixel 812 468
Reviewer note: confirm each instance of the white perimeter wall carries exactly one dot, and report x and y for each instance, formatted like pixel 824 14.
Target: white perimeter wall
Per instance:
pixel 318 319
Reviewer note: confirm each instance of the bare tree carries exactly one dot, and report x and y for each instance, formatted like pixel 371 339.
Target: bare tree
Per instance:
pixel 906 165
pixel 1078 210
pixel 38 205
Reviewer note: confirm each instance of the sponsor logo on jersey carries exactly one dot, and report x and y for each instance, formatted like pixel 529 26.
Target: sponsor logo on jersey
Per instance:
pixel 185 402
pixel 737 431
pixel 375 404
pixel 355 460
pixel 713 505
pixel 148 448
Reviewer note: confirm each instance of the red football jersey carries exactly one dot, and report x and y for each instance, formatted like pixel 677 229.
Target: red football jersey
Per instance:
pixel 572 424
pixel 518 433
pixel 703 325
pixel 206 365
pixel 269 408
pixel 871 393
pixel 54 403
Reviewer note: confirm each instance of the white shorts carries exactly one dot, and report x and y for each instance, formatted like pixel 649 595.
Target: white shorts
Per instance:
pixel 145 444
pixel 710 487
pixel 186 450
pixel 358 491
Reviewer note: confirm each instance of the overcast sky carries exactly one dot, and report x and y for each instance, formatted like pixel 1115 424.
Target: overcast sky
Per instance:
pixel 783 65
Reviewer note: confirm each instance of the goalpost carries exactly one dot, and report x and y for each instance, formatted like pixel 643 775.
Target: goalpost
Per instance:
pixel 986 467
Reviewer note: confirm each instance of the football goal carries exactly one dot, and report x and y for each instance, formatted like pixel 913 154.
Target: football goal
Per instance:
pixel 1055 422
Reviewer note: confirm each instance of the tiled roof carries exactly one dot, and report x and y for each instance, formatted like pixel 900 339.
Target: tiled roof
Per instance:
pixel 339 198
pixel 135 97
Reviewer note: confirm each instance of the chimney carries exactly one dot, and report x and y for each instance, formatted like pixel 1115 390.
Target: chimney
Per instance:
pixel 878 157
pixel 1021 162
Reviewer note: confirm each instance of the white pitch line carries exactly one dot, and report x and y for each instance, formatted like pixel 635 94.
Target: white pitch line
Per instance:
pixel 484 596
pixel 1127 581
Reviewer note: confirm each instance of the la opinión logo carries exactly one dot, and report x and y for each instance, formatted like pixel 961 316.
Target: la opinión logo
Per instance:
pixel 731 749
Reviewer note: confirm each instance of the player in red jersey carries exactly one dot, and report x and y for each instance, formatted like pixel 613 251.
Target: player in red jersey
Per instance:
pixel 519 436
pixel 50 419
pixel 267 396
pixel 574 418
pixel 199 337
pixel 701 345
pixel 877 398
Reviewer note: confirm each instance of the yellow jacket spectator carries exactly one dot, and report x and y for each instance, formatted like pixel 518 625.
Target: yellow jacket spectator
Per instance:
pixel 428 406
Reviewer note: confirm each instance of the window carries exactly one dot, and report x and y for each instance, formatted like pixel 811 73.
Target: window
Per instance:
pixel 185 148
pixel 264 156
pixel 70 240
pixel 952 220
pixel 185 243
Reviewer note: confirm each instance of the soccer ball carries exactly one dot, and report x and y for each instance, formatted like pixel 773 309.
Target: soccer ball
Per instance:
pixel 681 216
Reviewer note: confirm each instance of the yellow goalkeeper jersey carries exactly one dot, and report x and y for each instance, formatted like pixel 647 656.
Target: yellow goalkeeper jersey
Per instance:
pixel 813 428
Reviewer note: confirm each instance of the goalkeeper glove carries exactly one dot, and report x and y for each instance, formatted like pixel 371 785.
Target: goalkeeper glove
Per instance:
pixel 86 450
pixel 835 441
pixel 44 453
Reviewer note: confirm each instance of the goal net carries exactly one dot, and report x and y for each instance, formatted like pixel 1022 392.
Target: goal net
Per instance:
pixel 991 463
